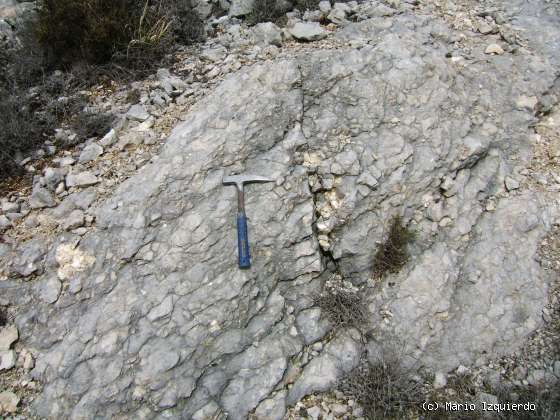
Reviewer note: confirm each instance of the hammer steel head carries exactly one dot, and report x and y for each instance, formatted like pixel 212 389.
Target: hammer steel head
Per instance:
pixel 241 179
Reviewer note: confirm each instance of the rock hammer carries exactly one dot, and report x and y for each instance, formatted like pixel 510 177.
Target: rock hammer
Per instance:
pixel 242 237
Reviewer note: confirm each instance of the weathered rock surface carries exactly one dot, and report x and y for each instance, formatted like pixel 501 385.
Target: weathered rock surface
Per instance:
pixel 148 315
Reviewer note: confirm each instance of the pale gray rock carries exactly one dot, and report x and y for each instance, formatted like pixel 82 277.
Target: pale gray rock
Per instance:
pixel 49 290
pixel 8 335
pixel 511 183
pixel 312 16
pixel 440 380
pixel 53 176
pixel 109 139
pixel 484 28
pixel 540 377
pixel 208 411
pixel 311 326
pixel 65 161
pixel 4 222
pixel 307 31
pixel 214 54
pixel 7 359
pixel 325 6
pixel 74 220
pixel 164 319
pixel 240 7
pixel 339 357
pixel 272 408
pixel 171 84
pixel 339 409
pixel 338 16
pixel 526 102
pixel 314 412
pixel 81 179
pixel 267 33
pixel 138 112
pixel 41 198
pixel 10 207
pixel 494 49
pixel 29 257
pixel 84 199
pixel 91 152
pixel 9 401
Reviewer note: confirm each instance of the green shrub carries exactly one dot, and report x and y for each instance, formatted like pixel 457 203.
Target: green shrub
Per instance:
pixel 97 31
pixel 187 26
pixel 303 5
pixel 28 117
pixel 22 131
pixel 265 11
pixel 392 254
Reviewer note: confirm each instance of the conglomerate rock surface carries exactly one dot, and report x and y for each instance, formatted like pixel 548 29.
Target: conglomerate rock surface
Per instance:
pixel 154 319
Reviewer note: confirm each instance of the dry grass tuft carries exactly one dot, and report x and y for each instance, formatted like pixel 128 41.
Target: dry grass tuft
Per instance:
pixel 392 254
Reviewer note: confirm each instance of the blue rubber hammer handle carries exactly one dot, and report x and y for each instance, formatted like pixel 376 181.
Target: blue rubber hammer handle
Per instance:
pixel 243 241
pixel 242 236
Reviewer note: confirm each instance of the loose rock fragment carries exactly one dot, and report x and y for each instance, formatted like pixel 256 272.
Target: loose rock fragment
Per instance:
pixel 8 335
pixel 494 49
pixel 41 198
pixel 8 401
pixel 7 359
pixel 91 152
pixel 307 31
pixel 82 179
pixel 74 220
pixel 137 113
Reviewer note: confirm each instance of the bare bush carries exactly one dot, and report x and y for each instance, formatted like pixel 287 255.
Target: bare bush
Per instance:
pixel 343 308
pixel 384 389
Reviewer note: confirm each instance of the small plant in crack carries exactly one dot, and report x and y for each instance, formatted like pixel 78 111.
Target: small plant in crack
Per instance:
pixel 4 318
pixel 393 254
pixel 343 308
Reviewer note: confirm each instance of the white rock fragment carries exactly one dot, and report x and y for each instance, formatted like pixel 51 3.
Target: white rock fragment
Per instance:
pixel 109 139
pixel 4 222
pixel 91 152
pixel 49 290
pixel 494 49
pixel 82 179
pixel 8 401
pixel 137 113
pixel 41 198
pixel 267 33
pixel 8 335
pixel 526 103
pixel 7 359
pixel 325 6
pixel 440 380
pixel 307 31
pixel 74 220
pixel 71 260
pixel 511 183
